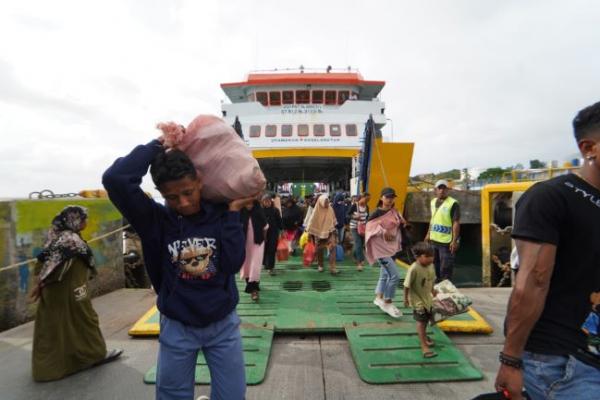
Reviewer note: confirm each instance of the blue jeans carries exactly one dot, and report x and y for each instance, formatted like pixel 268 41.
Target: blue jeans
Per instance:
pixel 559 377
pixel 359 246
pixel 443 261
pixel 221 343
pixel 388 278
pixel 340 233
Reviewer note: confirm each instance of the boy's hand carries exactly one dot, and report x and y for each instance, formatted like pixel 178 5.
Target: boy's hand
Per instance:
pixel 238 204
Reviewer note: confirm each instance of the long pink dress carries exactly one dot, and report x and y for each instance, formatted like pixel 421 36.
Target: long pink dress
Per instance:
pixel 254 256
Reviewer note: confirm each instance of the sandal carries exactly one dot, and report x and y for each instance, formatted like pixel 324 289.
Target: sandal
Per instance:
pixel 254 296
pixel 429 341
pixel 320 269
pixel 111 355
pixel 334 272
pixel 429 354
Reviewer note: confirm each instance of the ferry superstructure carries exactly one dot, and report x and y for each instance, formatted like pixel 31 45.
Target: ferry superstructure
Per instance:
pixel 307 125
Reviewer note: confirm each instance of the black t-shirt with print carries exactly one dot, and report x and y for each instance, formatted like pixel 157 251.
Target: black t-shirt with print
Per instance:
pixel 563 211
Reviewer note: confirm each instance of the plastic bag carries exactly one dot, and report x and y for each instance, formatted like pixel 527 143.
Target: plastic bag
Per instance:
pixel 309 253
pixel 303 239
pixel 449 301
pixel 283 250
pixel 339 253
pixel 225 163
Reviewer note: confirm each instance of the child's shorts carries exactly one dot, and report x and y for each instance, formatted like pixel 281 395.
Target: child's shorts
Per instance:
pixel 422 315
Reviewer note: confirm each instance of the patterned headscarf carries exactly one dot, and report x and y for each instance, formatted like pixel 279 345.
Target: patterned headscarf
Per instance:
pixel 65 242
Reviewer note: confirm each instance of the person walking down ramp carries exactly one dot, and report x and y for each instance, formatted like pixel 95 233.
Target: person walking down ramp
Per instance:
pixel 382 241
pixel 66 337
pixel 322 229
pixel 255 226
pixel 273 217
pixel 193 248
pixel 419 293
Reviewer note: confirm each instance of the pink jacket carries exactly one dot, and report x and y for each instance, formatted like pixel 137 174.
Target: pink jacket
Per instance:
pixel 375 244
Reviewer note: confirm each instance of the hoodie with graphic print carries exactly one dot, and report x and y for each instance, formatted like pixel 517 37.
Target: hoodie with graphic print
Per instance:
pixel 191 260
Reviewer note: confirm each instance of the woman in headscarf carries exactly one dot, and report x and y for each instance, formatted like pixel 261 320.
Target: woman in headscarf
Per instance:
pixel 321 227
pixel 292 217
pixel 255 226
pixel 273 217
pixel 67 335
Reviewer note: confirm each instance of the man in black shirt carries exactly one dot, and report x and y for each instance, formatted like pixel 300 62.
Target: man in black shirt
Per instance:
pixel 557 235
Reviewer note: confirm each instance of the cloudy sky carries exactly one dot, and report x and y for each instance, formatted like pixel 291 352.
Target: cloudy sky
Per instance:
pixel 476 83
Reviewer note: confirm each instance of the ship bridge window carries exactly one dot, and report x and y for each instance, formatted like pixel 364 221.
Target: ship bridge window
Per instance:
pixel 317 97
pixel 288 97
pixel 262 98
pixel 254 130
pixel 302 96
pixel 351 130
pixel 319 130
pixel 252 97
pixel 302 130
pixel 275 98
pixel 286 130
pixel 335 130
pixel 271 130
pixel 330 97
pixel 343 96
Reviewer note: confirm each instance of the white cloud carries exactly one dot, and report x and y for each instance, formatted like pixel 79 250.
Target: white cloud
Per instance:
pixel 472 83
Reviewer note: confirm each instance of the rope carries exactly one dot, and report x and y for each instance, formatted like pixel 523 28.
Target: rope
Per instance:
pixel 90 241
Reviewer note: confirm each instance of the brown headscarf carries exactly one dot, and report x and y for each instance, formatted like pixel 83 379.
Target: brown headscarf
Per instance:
pixel 323 221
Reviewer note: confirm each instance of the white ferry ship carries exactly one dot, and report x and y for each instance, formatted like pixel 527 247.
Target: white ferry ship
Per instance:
pixel 307 130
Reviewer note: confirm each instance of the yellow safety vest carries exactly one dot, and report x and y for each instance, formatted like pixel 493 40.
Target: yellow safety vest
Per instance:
pixel 440 227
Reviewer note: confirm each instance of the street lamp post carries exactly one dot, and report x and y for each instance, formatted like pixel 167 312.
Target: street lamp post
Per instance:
pixel 392 123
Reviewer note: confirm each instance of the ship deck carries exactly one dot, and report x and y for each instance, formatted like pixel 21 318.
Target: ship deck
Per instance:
pixel 311 366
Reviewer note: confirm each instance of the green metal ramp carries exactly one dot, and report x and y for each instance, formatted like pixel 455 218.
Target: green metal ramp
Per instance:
pixel 390 353
pixel 257 350
pixel 303 300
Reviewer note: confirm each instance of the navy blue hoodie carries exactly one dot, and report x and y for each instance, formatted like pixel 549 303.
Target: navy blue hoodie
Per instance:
pixel 214 236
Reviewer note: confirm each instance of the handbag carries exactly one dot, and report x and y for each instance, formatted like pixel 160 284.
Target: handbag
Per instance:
pixel 361 228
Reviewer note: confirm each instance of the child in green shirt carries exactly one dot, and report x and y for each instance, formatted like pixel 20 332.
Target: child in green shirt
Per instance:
pixel 419 292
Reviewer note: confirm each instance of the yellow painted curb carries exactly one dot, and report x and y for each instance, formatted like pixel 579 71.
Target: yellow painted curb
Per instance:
pixel 477 325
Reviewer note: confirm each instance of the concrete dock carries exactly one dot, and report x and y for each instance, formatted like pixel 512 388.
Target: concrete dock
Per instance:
pixel 315 367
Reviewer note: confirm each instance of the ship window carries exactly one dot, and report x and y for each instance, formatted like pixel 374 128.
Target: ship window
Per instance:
pixel 302 130
pixel 334 130
pixel 317 97
pixel 262 98
pixel 351 130
pixel 302 96
pixel 288 97
pixel 354 96
pixel 330 97
pixel 286 130
pixel 254 130
pixel 275 98
pixel 319 130
pixel 271 130
pixel 252 97
pixel 343 96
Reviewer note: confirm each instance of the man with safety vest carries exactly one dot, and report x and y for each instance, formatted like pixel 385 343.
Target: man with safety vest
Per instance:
pixel 444 230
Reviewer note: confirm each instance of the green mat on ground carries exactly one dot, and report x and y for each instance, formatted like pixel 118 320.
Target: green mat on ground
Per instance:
pixel 391 354
pixel 257 349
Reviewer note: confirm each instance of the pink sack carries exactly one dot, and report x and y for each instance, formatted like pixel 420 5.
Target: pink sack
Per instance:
pixel 223 160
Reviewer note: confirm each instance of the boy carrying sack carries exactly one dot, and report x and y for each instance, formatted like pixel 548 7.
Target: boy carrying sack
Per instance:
pixel 419 293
